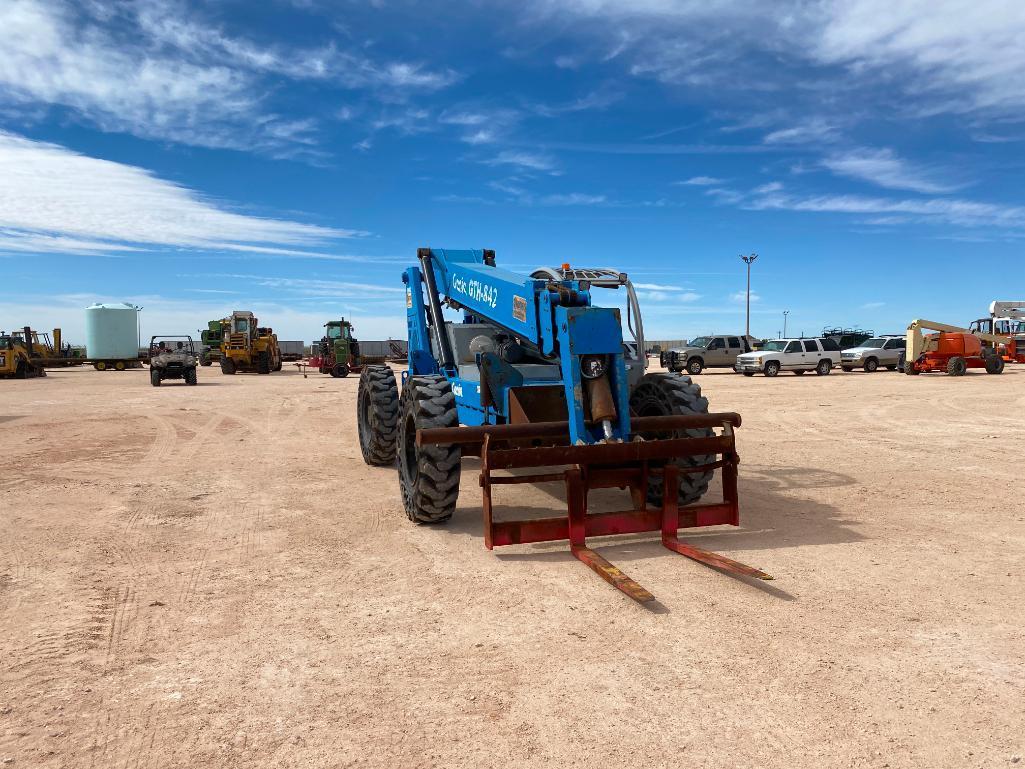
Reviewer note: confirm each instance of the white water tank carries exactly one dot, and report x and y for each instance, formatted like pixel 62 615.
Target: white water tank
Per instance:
pixel 112 331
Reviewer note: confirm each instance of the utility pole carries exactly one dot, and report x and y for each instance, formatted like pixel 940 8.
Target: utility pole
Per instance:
pixel 749 260
pixel 785 313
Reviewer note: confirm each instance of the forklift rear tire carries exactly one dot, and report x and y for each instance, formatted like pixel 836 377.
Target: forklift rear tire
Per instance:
pixel 154 377
pixel 669 394
pixel 428 475
pixel 227 366
pixel 957 366
pixel 377 415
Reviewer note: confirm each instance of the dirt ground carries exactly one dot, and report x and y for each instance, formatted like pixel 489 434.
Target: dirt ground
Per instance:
pixel 211 577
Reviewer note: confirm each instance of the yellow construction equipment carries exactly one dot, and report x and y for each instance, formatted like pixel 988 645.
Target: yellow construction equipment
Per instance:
pixel 246 346
pixel 16 357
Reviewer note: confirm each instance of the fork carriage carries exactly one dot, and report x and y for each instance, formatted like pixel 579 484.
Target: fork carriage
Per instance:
pixel 628 465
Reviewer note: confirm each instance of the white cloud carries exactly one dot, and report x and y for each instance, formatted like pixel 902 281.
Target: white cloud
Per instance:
pixel 724 195
pixel 465 118
pixel 741 296
pixel 814 130
pixel 658 287
pixel 701 181
pixel 667 296
pixel 482 136
pixel 872 305
pixel 966 213
pixel 571 199
pixel 972 51
pixel 885 169
pixel 408 121
pixel 599 99
pixel 170 73
pixel 523 159
pixel 941 55
pixel 53 199
pixel 312 287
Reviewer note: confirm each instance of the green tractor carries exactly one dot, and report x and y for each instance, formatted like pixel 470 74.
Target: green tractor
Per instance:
pixel 339 350
pixel 211 342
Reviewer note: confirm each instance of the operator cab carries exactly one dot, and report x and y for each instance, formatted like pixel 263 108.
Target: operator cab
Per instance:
pixel 243 322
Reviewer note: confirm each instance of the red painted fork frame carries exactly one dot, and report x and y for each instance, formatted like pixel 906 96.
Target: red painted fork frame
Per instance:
pixel 583 476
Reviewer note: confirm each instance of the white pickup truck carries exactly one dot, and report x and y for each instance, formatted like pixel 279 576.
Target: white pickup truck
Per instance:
pixel 797 355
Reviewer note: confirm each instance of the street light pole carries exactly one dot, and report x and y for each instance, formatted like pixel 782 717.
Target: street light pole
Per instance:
pixel 748 260
pixel 785 313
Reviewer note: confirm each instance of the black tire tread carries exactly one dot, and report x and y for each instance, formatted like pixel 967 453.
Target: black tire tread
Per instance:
pixel 432 497
pixel 263 363
pixel 679 395
pixel 994 364
pixel 377 438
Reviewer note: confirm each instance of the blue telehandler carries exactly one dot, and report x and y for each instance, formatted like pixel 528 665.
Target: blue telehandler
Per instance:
pixel 527 374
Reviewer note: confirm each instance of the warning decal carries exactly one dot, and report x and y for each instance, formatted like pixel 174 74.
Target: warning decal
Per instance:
pixel 520 308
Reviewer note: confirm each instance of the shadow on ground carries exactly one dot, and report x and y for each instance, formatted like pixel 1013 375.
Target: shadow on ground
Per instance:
pixel 778 511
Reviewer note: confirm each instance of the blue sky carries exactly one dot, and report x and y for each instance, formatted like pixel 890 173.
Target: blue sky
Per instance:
pixel 289 156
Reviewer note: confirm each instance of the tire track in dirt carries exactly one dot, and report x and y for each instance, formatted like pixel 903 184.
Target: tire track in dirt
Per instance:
pixel 164 442
pixel 123 613
pixel 194 578
pixel 126 739
pixel 166 448
pixel 205 432
pixel 64 637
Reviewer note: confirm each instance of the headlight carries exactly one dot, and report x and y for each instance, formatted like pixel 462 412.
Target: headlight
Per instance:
pixel 593 366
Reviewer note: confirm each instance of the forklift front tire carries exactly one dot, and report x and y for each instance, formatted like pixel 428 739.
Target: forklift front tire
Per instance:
pixel 428 475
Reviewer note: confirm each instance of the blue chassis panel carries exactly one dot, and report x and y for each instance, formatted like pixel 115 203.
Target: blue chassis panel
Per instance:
pixel 528 310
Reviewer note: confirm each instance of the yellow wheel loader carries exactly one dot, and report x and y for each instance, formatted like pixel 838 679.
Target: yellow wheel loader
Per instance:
pixel 17 359
pixel 246 346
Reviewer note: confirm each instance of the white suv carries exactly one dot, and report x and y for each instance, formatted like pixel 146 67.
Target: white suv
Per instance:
pixel 873 353
pixel 797 355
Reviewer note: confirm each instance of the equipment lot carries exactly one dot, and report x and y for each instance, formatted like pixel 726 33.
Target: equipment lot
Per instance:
pixel 211 576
